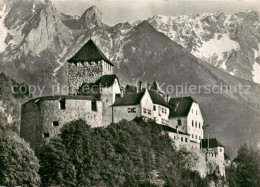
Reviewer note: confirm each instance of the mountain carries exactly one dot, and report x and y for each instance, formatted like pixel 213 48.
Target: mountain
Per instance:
pixel 36 47
pixel 33 41
pixel 229 42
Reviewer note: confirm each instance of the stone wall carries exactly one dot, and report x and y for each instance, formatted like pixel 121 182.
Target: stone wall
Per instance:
pixel 87 72
pixel 121 112
pixel 37 117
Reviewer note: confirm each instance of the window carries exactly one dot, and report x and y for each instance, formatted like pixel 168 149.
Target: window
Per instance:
pixel 179 122
pixel 196 124
pixel 186 140
pixel 220 150
pixel 62 104
pixel 46 135
pixel 196 112
pixel 155 119
pixel 144 110
pixel 131 110
pixel 149 112
pixel 55 123
pixel 154 107
pixel 182 139
pixel 199 125
pixel 196 137
pixel 192 136
pixel 192 123
pixel 94 105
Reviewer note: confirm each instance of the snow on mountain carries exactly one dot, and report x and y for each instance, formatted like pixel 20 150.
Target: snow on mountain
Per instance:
pixel 213 37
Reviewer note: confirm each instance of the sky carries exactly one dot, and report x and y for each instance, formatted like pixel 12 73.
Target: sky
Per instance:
pixel 120 11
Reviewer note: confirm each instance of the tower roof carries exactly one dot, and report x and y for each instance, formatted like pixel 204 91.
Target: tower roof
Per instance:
pixel 89 52
pixel 155 87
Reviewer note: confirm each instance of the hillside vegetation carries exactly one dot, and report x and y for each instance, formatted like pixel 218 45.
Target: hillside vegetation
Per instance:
pixel 132 153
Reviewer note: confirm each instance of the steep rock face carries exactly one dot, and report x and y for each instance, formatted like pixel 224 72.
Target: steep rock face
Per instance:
pixel 36 39
pixel 213 37
pixel 92 17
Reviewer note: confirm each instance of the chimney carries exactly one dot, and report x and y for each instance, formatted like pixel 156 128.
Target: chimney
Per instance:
pixel 139 87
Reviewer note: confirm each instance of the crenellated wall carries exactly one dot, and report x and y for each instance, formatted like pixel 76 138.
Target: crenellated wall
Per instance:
pixel 86 72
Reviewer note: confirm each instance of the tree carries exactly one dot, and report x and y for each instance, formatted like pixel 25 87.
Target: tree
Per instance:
pixel 247 164
pixel 128 153
pixel 18 164
pixel 56 167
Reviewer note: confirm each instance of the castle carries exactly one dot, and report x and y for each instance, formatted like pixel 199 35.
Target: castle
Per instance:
pixel 95 95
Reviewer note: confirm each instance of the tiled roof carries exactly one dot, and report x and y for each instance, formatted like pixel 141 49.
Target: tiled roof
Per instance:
pixel 129 99
pixel 213 142
pixel 92 89
pixel 170 129
pixel 181 106
pixel 135 99
pixel 158 99
pixel 106 80
pixel 89 52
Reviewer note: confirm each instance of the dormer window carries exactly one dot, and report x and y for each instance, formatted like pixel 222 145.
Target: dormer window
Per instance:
pixel 179 122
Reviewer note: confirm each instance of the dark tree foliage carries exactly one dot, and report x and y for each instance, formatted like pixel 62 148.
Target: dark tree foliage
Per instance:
pixel 134 153
pixel 56 167
pixel 18 164
pixel 245 169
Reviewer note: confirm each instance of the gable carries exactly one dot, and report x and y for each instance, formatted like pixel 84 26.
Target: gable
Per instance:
pixel 89 52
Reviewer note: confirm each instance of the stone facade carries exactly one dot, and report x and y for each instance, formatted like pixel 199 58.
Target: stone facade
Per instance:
pixel 126 112
pixel 86 72
pixel 215 158
pixel 42 118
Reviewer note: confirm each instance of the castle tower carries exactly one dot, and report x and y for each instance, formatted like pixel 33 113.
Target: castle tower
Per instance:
pixel 87 66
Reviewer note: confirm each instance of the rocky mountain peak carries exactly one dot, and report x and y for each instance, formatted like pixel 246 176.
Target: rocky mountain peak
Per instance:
pixel 91 17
